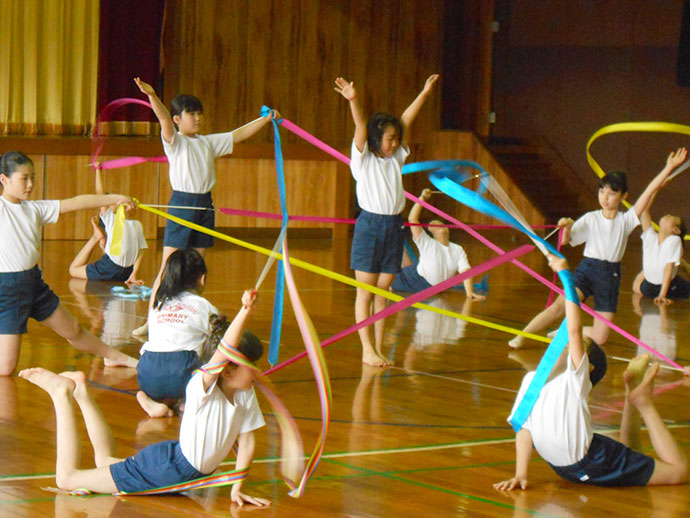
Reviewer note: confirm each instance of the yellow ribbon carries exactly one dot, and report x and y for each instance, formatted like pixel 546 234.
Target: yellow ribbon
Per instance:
pixel 118 231
pixel 625 127
pixel 339 277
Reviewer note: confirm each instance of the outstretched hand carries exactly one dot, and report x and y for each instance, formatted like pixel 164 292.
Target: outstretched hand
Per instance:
pixel 509 485
pixel 676 158
pixel 345 88
pixel 430 82
pixel 249 299
pixel 240 499
pixel 145 88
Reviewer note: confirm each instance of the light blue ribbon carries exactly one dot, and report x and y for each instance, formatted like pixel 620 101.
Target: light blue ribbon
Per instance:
pixel 276 324
pixel 447 179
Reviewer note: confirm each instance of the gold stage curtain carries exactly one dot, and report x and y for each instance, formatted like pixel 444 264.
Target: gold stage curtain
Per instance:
pixel 48 66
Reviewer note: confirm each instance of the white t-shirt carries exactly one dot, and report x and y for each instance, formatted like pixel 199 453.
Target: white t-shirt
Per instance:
pixel 438 262
pixel 20 232
pixel 656 256
pixel 133 239
pixel 560 423
pixel 191 160
pixel 605 238
pixel 210 423
pixel 182 324
pixel 379 180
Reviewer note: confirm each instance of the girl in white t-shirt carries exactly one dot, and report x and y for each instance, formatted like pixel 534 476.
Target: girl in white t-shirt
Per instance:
pixel 191 165
pixel 180 323
pixel 221 408
pixel 379 150
pixel 662 252
pixel 23 293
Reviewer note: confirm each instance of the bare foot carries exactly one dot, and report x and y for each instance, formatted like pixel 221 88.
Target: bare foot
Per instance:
pixel 373 359
pixel 635 371
pixel 516 342
pixel 98 231
pixel 641 396
pixel 123 361
pixel 153 408
pixel 79 379
pixel 49 381
pixel 142 330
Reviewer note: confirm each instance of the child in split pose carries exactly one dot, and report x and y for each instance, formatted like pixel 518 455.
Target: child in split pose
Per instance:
pixel 560 427
pixel 220 408
pixel 192 174
pixel 605 233
pixel 379 150
pixel 23 293
pixel 662 253
pixel 439 259
pixel 120 268
pixel 179 324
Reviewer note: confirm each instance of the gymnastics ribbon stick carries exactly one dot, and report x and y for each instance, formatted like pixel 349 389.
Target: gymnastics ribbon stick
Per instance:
pixel 629 127
pixel 319 367
pixel 276 323
pixel 337 276
pixel 412 300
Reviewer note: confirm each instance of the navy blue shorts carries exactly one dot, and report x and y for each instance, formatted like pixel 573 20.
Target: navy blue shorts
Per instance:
pixel 601 279
pixel 106 270
pixel 377 245
pixel 158 465
pixel 23 295
pixel 609 463
pixel 678 289
pixel 165 375
pixel 178 236
pixel 409 280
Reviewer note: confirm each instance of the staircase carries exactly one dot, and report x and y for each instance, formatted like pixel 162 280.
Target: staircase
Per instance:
pixel 547 181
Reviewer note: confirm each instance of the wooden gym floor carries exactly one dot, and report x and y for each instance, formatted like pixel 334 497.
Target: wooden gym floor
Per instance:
pixel 425 437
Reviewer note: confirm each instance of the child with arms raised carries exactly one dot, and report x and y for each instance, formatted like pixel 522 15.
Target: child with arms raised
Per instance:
pixel 220 408
pixel 560 427
pixel 191 158
pixel 23 293
pixel 379 150
pixel 605 233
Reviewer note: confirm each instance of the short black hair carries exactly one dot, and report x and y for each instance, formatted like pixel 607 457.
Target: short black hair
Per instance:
pixel 376 127
pixel 185 102
pixel 616 180
pixel 10 162
pixel 251 346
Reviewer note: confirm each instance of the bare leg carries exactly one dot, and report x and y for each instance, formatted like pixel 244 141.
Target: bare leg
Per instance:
pixel 167 252
pixel 673 466
pixel 380 303
pixel 637 283
pixel 68 476
pixel 153 408
pixel 78 267
pixel 362 312
pixel 10 346
pixel 630 421
pixel 99 432
pixel 64 324
pixel 600 331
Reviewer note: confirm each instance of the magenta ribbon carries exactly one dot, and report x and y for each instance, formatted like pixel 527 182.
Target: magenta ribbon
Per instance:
pixel 504 257
pixel 323 146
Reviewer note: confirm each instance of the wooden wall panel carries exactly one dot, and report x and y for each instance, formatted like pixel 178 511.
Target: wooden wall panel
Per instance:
pixel 236 56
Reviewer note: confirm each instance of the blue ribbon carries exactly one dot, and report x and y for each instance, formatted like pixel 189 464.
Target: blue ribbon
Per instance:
pixel 276 324
pixel 447 180
pixel 449 167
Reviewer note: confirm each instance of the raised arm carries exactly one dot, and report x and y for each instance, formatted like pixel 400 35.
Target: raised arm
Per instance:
pixel 572 314
pixel 232 335
pixel 646 216
pixel 166 122
pixel 135 270
pixel 665 285
pixel 416 210
pixel 348 91
pixel 566 224
pixel 93 201
pixel 245 456
pixel 410 113
pixel 252 128
pixel 673 161
pixel 523 454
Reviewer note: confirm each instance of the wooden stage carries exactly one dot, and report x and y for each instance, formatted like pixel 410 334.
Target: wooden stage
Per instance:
pixel 427 437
